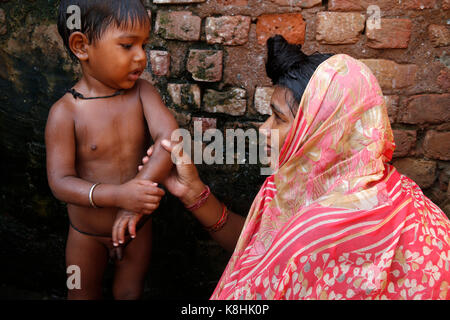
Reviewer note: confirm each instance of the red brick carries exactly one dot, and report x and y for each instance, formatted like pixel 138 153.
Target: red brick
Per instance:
pixel 405 141
pixel 238 3
pixel 360 5
pixel 184 95
pixel 228 30
pixel 235 125
pixel 384 5
pixel 232 102
pixel 394 33
pixel 436 145
pixel 392 107
pixel 160 62
pixel 178 25
pixel 207 123
pixel 421 171
pixel 391 75
pixel 148 76
pixel 262 99
pixel 426 108
pixel 443 80
pixel 297 3
pixel 205 65
pixel 339 27
pixel 177 1
pixel 418 4
pixel 439 35
pixel 446 4
pixel 345 5
pixel 290 25
pixel 444 178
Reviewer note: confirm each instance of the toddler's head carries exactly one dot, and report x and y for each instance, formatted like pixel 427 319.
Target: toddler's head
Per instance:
pixel 108 37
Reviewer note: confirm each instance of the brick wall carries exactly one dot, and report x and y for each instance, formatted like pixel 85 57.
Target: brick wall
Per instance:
pixel 207 58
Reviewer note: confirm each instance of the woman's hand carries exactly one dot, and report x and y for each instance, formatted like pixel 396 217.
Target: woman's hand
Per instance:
pixel 183 181
pixel 140 196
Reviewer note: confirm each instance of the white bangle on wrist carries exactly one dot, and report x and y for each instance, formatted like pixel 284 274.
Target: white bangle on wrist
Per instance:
pixel 91 193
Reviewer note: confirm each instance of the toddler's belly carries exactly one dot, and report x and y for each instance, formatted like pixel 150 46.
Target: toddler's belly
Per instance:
pixel 91 220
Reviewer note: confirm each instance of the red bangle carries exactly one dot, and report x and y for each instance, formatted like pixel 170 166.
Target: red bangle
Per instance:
pixel 219 224
pixel 202 199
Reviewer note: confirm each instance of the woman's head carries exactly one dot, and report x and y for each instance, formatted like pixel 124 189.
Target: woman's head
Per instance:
pixel 290 71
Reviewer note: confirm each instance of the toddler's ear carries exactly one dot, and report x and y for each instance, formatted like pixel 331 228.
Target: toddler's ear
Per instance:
pixel 78 43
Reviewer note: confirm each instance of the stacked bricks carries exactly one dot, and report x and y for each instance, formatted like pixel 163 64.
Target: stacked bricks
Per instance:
pixel 208 60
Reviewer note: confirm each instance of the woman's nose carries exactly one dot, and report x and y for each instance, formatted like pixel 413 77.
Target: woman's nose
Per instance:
pixel 265 128
pixel 267 125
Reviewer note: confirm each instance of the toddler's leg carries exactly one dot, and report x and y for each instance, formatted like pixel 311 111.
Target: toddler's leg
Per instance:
pixel 131 270
pixel 91 256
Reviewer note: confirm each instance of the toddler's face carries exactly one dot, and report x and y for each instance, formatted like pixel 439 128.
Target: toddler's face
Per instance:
pixel 118 58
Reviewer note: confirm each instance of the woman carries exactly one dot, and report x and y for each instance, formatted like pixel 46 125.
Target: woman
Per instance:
pixel 335 221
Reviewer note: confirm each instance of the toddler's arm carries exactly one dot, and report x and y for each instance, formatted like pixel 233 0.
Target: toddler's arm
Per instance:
pixel 161 124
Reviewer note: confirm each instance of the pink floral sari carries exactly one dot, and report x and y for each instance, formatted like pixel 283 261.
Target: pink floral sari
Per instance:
pixel 336 221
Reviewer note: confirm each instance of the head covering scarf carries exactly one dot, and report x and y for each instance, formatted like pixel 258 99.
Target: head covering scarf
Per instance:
pixel 336 221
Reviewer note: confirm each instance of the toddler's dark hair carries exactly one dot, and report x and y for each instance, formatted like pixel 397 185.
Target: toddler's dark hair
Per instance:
pixel 288 67
pixel 98 15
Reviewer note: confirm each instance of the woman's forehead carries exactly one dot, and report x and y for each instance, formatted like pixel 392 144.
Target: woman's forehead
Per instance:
pixel 279 98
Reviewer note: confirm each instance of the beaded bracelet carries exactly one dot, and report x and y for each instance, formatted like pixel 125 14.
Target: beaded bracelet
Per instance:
pixel 222 221
pixel 202 199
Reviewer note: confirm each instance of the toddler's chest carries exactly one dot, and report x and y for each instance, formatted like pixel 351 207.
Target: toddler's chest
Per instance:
pixel 115 130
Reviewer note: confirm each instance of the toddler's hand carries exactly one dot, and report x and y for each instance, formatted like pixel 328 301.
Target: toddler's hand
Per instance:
pixel 140 196
pixel 125 220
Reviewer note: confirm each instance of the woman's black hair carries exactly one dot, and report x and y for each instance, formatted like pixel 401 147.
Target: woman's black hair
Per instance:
pixel 97 15
pixel 288 67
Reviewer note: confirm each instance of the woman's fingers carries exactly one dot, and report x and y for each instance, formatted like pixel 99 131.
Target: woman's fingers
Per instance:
pixel 167 145
pixel 177 152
